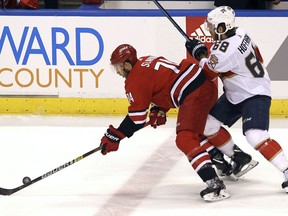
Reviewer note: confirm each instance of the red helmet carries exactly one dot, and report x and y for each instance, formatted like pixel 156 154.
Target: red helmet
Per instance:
pixel 123 53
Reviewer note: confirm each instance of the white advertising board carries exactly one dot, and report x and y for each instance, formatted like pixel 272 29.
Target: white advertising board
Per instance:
pixel 68 56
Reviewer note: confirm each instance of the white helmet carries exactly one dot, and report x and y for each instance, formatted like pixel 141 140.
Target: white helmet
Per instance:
pixel 222 14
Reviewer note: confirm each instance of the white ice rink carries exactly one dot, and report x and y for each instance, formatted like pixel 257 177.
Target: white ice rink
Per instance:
pixel 147 176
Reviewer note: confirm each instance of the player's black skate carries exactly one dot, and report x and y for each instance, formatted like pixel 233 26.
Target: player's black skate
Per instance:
pixel 241 162
pixel 215 191
pixel 223 168
pixel 285 183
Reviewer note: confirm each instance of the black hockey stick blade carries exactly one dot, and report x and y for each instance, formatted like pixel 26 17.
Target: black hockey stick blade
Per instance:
pixel 172 20
pixel 7 192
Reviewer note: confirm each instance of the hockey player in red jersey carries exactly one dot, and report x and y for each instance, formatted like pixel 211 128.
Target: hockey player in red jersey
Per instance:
pixel 159 84
pixel 236 59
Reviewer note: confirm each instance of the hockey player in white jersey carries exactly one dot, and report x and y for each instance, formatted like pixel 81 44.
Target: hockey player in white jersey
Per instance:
pixel 235 58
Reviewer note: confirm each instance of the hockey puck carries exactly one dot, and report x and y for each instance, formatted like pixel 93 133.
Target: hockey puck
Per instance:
pixel 26 180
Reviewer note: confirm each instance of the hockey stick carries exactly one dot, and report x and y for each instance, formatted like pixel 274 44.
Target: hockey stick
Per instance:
pixel 7 192
pixel 172 20
pixel 4 191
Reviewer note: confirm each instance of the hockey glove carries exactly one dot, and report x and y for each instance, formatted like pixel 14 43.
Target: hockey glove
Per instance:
pixel 30 4
pixel 196 48
pixel 111 139
pixel 157 116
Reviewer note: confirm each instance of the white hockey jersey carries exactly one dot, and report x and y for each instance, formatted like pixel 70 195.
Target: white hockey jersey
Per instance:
pixel 238 62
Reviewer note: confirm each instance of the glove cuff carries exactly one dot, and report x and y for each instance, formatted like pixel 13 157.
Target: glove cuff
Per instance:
pixel 199 50
pixel 154 107
pixel 114 134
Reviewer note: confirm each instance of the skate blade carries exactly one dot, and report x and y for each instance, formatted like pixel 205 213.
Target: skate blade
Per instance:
pixel 252 164
pixel 227 177
pixel 212 197
pixel 233 177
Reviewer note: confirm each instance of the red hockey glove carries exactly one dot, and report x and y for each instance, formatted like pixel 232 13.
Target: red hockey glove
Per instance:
pixel 30 4
pixel 157 116
pixel 111 139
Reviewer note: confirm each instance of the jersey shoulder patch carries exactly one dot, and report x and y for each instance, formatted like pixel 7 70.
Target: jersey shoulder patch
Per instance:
pixel 212 61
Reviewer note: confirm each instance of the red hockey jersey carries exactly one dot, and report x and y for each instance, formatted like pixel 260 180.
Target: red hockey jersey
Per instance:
pixel 161 82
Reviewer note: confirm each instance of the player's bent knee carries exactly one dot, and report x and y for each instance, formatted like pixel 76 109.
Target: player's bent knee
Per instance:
pixel 187 142
pixel 256 136
pixel 212 126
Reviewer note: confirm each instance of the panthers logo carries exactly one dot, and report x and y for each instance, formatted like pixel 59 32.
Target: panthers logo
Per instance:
pixel 213 61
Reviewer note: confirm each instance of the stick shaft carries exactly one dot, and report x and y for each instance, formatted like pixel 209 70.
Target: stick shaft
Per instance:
pixel 171 20
pixel 4 191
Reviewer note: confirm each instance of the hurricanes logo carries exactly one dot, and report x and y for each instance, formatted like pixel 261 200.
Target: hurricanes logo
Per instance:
pixel 202 34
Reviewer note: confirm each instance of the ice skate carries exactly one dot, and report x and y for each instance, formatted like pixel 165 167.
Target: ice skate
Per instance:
pixel 215 191
pixel 285 183
pixel 241 162
pixel 223 168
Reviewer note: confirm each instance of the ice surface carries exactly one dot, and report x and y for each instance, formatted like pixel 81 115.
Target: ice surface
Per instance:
pixel 148 175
